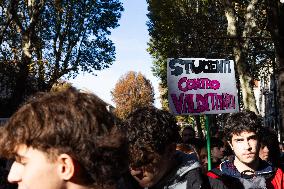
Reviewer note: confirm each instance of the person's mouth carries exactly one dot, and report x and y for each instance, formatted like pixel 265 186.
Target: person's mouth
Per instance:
pixel 249 154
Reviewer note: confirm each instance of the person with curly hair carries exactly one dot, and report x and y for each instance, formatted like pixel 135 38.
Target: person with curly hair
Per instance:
pixel 269 147
pixel 154 161
pixel 64 140
pixel 246 170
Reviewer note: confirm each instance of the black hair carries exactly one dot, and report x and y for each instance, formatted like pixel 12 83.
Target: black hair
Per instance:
pixel 150 131
pixel 239 122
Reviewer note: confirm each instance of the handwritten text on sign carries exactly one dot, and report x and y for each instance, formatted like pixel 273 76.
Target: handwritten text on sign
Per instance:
pixel 202 86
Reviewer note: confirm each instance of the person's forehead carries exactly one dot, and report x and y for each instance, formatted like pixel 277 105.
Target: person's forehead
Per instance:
pixel 203 151
pixel 28 152
pixel 216 147
pixel 244 134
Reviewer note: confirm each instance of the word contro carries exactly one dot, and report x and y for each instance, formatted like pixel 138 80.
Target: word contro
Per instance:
pixel 198 103
pixel 178 66
pixel 185 84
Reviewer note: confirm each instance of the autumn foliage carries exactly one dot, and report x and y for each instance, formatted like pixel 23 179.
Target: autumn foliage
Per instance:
pixel 131 91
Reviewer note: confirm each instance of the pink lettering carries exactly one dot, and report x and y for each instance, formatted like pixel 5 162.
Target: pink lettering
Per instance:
pixel 185 84
pixel 178 102
pixel 198 103
pixel 180 86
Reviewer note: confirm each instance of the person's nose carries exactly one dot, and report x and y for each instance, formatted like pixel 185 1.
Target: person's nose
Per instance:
pixel 266 149
pixel 205 161
pixel 15 174
pixel 247 145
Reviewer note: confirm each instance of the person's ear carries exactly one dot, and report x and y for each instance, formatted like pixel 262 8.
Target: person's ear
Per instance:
pixel 66 168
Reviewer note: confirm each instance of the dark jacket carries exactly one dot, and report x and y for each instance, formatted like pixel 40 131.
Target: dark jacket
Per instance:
pixel 266 177
pixel 186 175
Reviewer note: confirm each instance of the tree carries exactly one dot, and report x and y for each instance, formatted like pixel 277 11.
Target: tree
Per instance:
pixel 275 13
pixel 211 29
pixel 229 29
pixel 131 91
pixel 61 85
pixel 46 40
pixel 184 29
pixel 242 25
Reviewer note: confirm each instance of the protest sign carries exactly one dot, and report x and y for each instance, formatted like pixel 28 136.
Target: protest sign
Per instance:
pixel 201 86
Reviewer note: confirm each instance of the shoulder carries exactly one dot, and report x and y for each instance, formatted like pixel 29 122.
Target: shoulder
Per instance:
pixel 215 173
pixel 185 163
pixel 279 175
pixel 216 183
pixel 277 181
pixel 218 179
pixel 197 180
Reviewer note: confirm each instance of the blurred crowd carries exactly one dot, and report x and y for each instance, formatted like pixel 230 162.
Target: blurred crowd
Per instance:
pixel 70 140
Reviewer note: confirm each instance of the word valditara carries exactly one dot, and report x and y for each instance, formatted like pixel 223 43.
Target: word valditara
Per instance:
pixel 198 103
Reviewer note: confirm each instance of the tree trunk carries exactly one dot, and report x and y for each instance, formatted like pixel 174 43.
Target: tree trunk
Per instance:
pixel 241 48
pixel 246 81
pixel 19 91
pixel 198 125
pixel 276 28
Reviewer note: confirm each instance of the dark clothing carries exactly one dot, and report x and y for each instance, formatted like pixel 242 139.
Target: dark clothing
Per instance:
pixel 128 182
pixel 266 177
pixel 4 171
pixel 216 184
pixel 186 175
pixel 215 164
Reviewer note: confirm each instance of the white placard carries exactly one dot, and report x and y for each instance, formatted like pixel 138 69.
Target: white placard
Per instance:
pixel 201 86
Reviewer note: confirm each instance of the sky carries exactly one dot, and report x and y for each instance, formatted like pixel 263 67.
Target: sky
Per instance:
pixel 130 40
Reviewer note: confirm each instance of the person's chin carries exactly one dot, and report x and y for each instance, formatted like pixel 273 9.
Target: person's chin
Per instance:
pixel 250 160
pixel 265 158
pixel 144 182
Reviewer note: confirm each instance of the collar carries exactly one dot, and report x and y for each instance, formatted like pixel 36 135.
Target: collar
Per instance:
pixel 228 168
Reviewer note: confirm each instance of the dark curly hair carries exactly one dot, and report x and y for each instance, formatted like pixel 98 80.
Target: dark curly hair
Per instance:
pixel 74 123
pixel 150 131
pixel 245 120
pixel 268 137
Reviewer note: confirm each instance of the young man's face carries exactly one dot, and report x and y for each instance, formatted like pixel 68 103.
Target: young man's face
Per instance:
pixel 264 152
pixel 281 146
pixel 203 159
pixel 148 176
pixel 187 135
pixel 217 152
pixel 245 146
pixel 32 170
